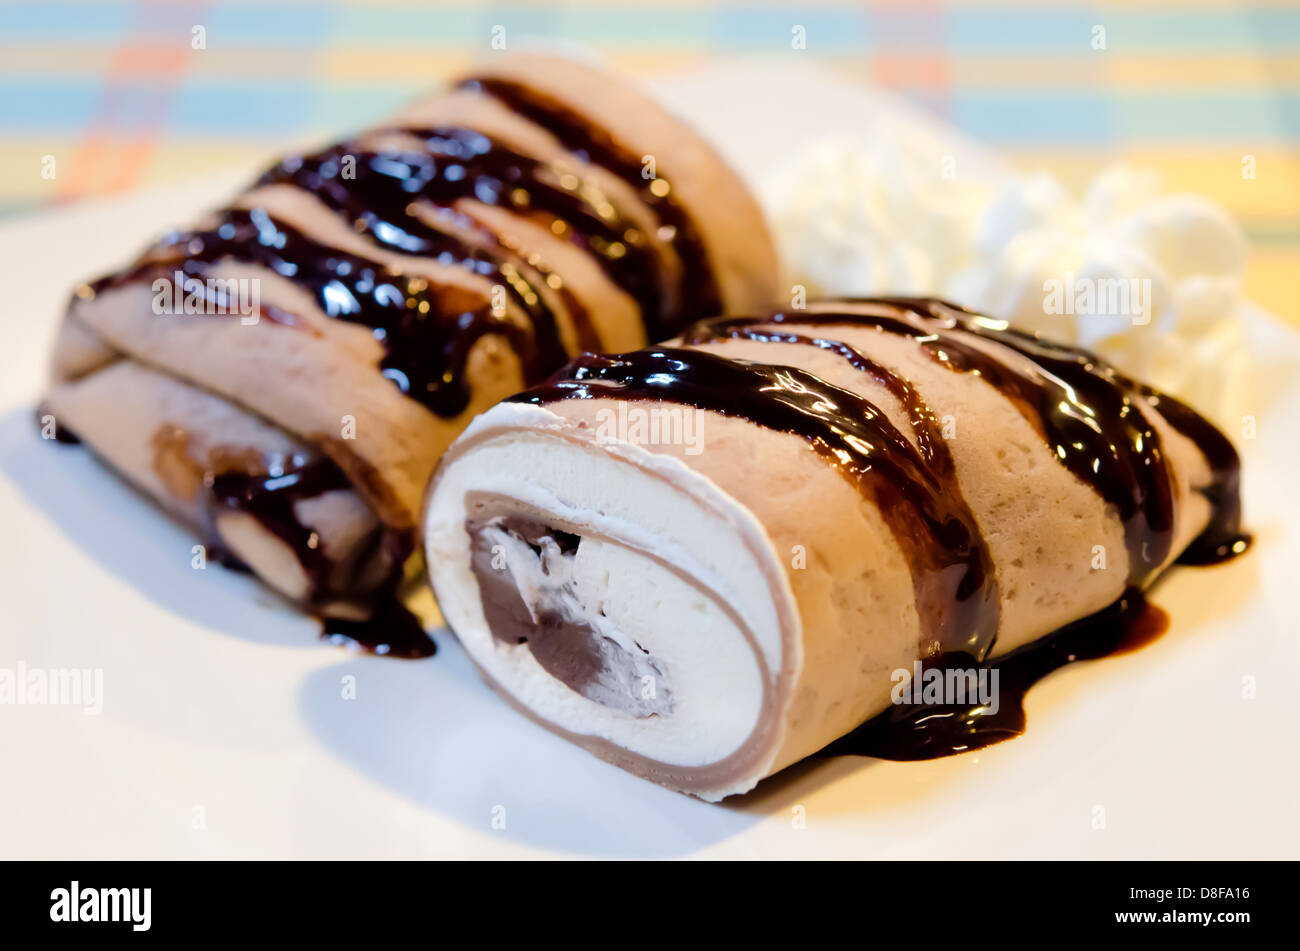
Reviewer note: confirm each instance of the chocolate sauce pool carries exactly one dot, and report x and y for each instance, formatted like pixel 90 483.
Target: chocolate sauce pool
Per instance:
pixel 915 731
pixel 391 630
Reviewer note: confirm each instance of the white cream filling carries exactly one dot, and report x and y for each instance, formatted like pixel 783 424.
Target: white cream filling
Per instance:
pixel 674 613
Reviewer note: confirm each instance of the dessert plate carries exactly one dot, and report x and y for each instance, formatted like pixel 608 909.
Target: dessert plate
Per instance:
pixel 214 723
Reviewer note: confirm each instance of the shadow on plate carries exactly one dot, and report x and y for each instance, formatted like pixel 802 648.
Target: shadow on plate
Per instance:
pixel 434 733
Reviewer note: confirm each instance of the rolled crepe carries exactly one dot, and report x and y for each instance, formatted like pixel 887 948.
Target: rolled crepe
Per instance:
pixel 284 375
pixel 704 561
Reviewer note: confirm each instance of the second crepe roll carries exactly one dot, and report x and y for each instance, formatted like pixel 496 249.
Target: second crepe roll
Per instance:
pixel 705 560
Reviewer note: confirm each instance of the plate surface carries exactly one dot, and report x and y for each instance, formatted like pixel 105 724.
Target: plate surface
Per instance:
pixel 228 730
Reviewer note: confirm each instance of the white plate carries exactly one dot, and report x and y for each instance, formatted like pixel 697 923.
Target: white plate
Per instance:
pixel 225 730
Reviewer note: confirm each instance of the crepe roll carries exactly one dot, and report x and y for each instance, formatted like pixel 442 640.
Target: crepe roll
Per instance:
pixel 333 328
pixel 706 560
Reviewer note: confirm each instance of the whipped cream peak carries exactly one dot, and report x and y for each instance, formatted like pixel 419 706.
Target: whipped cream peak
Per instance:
pixel 1148 279
pixel 856 219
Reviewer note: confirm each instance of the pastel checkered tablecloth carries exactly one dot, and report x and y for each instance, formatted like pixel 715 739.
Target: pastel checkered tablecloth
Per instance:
pixel 115 91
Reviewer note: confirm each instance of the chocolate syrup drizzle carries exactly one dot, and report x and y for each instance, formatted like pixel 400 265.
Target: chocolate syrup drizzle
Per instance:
pixel 271 497
pixel 378 194
pixel 698 296
pixel 951 569
pixel 1087 416
pixel 456 164
pixel 980 622
pixel 426 337
pixel 1088 413
pixel 427 329
pixel 389 629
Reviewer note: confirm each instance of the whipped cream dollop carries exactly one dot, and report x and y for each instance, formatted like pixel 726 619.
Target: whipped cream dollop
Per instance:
pixel 1150 280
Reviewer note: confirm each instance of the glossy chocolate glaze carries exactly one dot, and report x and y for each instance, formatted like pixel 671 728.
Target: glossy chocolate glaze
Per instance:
pixel 378 193
pixel 698 295
pixel 915 731
pixel 1133 473
pixel 951 570
pixel 457 164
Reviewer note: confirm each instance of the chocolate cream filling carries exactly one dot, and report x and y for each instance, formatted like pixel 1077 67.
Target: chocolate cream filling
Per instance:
pixel 527 574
